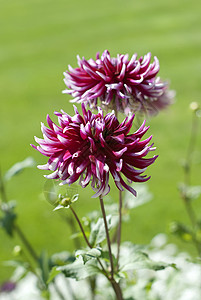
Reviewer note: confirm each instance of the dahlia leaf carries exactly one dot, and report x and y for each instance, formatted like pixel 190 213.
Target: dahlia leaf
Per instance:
pixel 143 196
pixel 134 258
pixel 21 269
pixel 98 233
pixel 183 231
pixel 9 217
pixel 19 167
pixel 106 257
pixel 190 192
pixel 44 266
pixel 54 272
pixel 79 270
pixel 89 254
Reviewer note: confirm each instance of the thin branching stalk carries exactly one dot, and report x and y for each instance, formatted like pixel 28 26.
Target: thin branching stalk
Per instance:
pixel 114 284
pixel 192 218
pixel 191 147
pixel 16 227
pixel 110 277
pixel 86 239
pixel 70 221
pixel 119 228
pixel 117 290
pixel 26 242
pixel 32 268
pixel 81 228
pixel 2 189
pixel 118 232
pixel 92 282
pixel 187 180
pixel 107 235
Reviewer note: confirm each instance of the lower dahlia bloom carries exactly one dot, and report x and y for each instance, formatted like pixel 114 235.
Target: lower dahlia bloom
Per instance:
pixel 120 84
pixel 90 147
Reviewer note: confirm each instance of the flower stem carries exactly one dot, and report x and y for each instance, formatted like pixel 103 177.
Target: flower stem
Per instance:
pixel 117 290
pixel 119 228
pixel 187 180
pixel 86 239
pixel 2 189
pixel 190 148
pixel 114 284
pixel 192 218
pixel 26 242
pixel 107 235
pixel 81 228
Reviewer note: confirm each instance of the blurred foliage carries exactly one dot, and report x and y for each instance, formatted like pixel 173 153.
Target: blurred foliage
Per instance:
pixel 38 40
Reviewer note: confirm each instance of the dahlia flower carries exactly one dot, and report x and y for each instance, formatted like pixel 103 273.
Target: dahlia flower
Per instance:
pixel 91 147
pixel 120 84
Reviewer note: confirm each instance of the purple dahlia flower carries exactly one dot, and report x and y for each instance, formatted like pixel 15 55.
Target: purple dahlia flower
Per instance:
pixel 90 147
pixel 120 84
pixel 7 287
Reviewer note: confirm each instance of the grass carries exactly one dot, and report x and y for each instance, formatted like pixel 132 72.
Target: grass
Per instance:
pixel 38 41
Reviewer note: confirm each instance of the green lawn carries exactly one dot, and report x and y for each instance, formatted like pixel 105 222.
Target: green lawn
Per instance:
pixel 38 41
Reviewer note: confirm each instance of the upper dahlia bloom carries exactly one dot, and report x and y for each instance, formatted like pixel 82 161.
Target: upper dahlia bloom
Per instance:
pixel 120 84
pixel 90 147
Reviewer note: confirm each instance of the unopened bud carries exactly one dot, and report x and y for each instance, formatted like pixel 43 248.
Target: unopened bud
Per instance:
pixel 194 106
pixel 65 202
pixel 17 250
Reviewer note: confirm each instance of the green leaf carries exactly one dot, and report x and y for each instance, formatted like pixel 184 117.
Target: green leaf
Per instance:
pixel 45 294
pixel 62 258
pixel 189 192
pixel 143 196
pixel 19 167
pixel 54 272
pixel 8 219
pixel 182 231
pixel 44 264
pixel 16 263
pixel 133 259
pixel 21 269
pixel 98 234
pixel 90 254
pixel 19 273
pixel 65 201
pixel 79 270
pixel 54 192
pixel 106 257
pixel 77 235
pixel 59 259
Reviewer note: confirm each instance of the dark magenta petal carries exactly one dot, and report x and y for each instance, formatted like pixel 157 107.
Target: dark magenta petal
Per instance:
pixel 89 148
pixel 132 83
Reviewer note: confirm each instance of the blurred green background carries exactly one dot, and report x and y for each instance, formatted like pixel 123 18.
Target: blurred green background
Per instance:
pixel 38 41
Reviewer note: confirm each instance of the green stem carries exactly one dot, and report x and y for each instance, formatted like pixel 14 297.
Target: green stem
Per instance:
pixel 71 222
pixel 192 218
pixel 117 290
pixel 119 228
pixel 107 235
pixel 26 242
pixel 86 239
pixel 81 228
pixel 2 189
pixel 191 147
pixel 32 268
pixel 187 173
pixel 16 227
pixel 115 285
